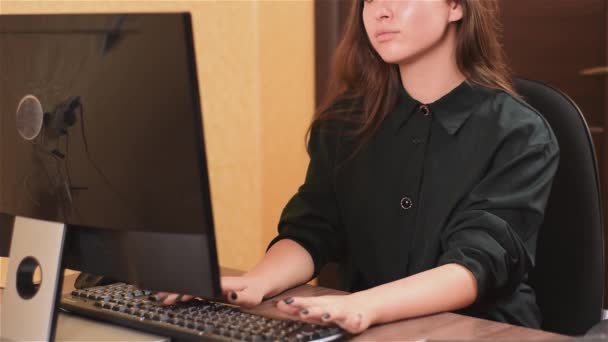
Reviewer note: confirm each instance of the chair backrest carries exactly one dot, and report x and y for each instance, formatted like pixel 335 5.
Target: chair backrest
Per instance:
pixel 569 273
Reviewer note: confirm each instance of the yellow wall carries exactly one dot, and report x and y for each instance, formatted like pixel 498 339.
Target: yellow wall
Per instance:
pixel 255 62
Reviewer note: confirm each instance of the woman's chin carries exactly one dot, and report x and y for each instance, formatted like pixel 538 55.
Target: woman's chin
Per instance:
pixel 395 58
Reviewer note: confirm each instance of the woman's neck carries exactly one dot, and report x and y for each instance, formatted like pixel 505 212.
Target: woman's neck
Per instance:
pixel 431 75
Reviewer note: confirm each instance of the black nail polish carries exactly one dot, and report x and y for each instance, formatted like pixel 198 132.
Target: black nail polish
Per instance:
pixel 304 312
pixel 326 316
pixel 288 300
pixel 233 295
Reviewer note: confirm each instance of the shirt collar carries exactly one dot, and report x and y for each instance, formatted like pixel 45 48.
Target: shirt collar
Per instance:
pixel 406 105
pixel 451 110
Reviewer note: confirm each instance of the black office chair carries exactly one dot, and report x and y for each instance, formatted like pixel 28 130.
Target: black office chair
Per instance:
pixel 569 273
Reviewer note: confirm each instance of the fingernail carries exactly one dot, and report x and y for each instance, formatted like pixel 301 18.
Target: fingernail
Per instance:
pixel 304 312
pixel 326 316
pixel 288 300
pixel 233 295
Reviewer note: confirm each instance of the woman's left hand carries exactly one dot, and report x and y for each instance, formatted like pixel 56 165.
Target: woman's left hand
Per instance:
pixel 350 312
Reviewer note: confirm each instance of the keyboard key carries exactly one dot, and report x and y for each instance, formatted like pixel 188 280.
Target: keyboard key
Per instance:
pixel 331 331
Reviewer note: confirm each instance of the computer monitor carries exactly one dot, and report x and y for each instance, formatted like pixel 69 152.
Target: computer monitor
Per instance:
pixel 100 129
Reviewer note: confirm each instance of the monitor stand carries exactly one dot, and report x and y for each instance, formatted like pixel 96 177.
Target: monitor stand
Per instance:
pixel 30 311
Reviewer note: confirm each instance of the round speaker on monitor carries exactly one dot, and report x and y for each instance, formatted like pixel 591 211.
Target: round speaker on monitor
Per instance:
pixel 29 117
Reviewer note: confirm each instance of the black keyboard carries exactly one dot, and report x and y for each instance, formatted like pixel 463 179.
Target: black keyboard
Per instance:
pixel 199 320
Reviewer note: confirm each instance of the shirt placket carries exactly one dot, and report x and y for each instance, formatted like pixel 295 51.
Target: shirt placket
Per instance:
pixel 418 134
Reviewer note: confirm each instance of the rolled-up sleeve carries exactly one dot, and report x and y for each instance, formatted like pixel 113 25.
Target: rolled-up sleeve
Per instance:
pixel 311 217
pixel 493 230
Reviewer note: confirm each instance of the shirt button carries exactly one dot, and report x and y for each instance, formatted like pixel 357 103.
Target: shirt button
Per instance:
pixel 424 109
pixel 406 203
pixel 416 141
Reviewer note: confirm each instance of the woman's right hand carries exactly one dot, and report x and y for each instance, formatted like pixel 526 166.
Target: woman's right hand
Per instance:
pixel 285 265
pixel 242 290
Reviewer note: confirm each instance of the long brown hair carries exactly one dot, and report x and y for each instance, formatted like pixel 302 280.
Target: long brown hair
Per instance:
pixel 360 77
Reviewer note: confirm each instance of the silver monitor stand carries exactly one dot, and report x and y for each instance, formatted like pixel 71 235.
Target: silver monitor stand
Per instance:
pixel 30 311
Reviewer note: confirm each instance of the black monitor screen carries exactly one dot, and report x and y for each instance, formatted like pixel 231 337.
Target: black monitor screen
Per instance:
pixel 99 126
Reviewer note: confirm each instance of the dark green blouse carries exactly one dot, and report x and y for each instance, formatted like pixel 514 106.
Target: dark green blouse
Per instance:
pixel 462 180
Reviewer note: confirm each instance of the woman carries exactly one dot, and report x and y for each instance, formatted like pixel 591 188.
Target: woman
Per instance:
pixel 428 177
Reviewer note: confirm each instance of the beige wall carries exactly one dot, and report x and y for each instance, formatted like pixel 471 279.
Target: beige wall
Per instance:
pixel 256 72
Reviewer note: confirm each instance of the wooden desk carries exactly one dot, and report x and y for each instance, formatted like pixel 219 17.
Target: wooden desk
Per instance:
pixel 440 326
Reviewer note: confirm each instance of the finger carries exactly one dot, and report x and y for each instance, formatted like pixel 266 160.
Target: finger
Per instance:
pixel 293 305
pixel 186 298
pixel 229 284
pixel 312 314
pixel 331 316
pixel 247 297
pixel 288 309
pixel 353 323
pixel 160 296
pixel 171 299
pixel 303 302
